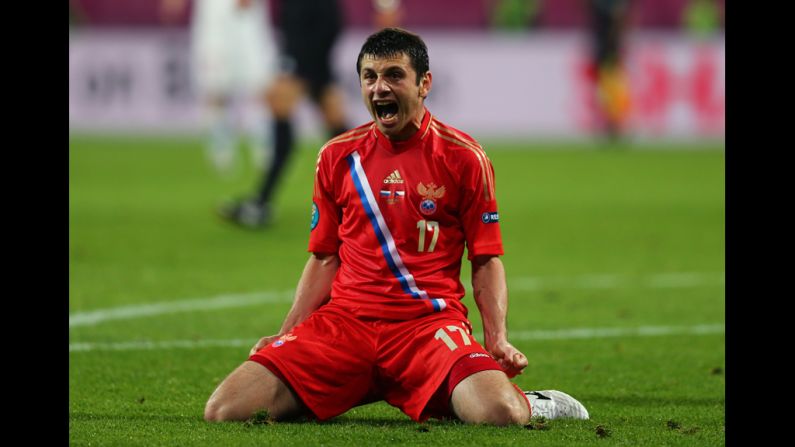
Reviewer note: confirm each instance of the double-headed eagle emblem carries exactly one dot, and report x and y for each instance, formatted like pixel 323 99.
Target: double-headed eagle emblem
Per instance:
pixel 431 191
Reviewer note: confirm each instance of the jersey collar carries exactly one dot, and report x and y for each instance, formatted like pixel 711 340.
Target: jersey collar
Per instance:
pixel 400 146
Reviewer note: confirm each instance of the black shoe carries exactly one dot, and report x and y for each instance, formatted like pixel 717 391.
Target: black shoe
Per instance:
pixel 246 213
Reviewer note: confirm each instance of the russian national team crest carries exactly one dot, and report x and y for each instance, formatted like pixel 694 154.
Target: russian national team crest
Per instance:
pixel 283 339
pixel 429 194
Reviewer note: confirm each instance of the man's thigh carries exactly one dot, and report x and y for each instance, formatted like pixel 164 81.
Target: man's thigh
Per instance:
pixel 248 389
pixel 417 359
pixel 327 360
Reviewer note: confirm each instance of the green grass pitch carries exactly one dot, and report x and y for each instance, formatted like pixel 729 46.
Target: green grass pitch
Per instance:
pixel 615 264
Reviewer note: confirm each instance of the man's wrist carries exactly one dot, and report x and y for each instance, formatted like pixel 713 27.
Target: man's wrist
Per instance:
pixel 495 340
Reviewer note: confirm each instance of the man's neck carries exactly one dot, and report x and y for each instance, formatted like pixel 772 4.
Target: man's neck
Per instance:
pixel 412 128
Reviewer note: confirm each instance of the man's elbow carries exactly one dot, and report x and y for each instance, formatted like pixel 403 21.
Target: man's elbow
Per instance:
pixel 482 260
pixel 327 259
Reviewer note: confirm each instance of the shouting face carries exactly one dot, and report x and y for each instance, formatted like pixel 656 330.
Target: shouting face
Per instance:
pixel 392 95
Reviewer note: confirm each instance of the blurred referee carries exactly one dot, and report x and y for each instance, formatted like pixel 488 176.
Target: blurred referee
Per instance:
pixel 309 31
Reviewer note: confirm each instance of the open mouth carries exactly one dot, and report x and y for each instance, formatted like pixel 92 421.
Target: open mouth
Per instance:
pixel 386 110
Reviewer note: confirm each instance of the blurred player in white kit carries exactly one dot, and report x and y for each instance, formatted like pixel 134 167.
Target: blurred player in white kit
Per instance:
pixel 234 60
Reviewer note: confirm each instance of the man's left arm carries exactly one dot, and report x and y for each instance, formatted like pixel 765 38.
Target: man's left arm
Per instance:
pixel 491 296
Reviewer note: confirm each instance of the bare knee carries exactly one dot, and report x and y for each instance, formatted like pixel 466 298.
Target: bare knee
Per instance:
pixel 216 411
pixel 489 398
pixel 499 409
pixel 332 105
pixel 507 411
pixel 221 408
pixel 283 97
pixel 249 389
pixel 212 413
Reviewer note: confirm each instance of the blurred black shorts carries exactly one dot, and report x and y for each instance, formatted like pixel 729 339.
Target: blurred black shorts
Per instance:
pixel 310 29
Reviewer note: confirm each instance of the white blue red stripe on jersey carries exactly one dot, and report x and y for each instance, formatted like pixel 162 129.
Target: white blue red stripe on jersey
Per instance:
pixel 384 236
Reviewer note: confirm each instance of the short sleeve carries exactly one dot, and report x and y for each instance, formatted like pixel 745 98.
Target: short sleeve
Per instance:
pixel 326 215
pixel 480 217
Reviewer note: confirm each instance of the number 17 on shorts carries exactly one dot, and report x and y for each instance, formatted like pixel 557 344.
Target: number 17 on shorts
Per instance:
pixel 450 334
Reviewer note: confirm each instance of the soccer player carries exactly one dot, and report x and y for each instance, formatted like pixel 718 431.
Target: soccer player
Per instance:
pixel 377 313
pixel 307 71
pixel 608 27
pixel 233 60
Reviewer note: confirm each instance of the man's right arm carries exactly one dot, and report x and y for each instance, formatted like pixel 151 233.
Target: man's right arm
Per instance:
pixel 314 290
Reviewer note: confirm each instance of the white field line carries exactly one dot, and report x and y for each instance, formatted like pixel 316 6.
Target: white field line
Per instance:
pixel 522 284
pixel 147 345
pixel 642 331
pixel 561 334
pixel 145 310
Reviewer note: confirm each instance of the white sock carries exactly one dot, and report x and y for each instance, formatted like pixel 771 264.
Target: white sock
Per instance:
pixel 259 129
pixel 221 138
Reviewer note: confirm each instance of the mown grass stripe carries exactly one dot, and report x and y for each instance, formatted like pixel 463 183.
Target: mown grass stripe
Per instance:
pixel 591 281
pixel 561 334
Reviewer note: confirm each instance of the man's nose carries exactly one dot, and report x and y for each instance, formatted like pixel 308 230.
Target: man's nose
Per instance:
pixel 381 86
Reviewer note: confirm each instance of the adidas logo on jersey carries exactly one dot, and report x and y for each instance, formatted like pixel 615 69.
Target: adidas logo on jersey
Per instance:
pixel 394 177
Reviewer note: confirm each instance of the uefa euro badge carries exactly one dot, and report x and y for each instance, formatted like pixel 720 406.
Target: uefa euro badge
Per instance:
pixel 315 216
pixel 490 217
pixel 429 195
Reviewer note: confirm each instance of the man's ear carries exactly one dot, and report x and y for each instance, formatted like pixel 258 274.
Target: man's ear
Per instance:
pixel 425 84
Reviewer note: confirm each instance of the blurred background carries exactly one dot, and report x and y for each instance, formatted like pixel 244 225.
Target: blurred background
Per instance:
pixel 502 68
pixel 604 121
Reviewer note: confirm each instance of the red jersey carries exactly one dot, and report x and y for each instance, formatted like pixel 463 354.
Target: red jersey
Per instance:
pixel 399 213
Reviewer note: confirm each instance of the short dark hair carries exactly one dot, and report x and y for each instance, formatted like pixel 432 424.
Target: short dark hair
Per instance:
pixel 393 42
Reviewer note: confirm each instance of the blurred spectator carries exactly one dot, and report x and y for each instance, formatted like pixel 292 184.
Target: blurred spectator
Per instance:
pixel 516 15
pixel 388 13
pixel 233 57
pixel 417 14
pixel 608 22
pixel 307 71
